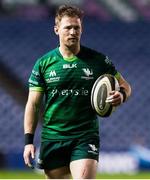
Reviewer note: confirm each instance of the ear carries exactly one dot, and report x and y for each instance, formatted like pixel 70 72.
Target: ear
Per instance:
pixel 81 29
pixel 56 30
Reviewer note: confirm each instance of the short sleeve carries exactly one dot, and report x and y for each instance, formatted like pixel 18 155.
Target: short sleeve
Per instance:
pixel 110 68
pixel 36 81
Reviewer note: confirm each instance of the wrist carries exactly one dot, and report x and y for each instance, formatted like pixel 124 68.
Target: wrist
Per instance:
pixel 124 95
pixel 28 138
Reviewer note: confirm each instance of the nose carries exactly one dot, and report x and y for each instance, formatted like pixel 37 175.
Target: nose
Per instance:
pixel 72 31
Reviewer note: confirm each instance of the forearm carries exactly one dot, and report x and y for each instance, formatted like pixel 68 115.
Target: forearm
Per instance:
pixel 30 118
pixel 124 86
pixel 127 89
pixel 30 123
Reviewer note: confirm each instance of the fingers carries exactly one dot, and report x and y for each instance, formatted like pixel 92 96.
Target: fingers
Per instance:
pixel 29 152
pixel 30 166
pixel 32 154
pixel 109 99
pixel 115 98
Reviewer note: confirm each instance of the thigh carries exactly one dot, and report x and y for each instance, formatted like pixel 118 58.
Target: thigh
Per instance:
pixel 54 155
pixel 59 173
pixel 84 158
pixel 85 148
pixel 83 169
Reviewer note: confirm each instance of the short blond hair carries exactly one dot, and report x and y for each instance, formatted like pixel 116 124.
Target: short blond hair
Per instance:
pixel 70 11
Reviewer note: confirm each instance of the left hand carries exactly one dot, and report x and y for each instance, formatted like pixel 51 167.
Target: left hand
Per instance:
pixel 115 98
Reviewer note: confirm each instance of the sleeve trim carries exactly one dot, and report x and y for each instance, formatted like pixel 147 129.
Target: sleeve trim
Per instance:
pixel 117 75
pixel 40 89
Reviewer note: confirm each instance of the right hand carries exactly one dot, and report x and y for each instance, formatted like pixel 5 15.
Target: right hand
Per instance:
pixel 29 152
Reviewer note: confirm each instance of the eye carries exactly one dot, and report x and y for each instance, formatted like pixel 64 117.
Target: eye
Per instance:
pixel 67 27
pixel 76 27
pixel 72 27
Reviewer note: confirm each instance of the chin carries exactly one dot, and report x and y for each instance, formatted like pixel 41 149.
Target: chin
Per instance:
pixel 70 44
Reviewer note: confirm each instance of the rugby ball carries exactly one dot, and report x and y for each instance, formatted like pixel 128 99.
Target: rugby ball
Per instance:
pixel 100 91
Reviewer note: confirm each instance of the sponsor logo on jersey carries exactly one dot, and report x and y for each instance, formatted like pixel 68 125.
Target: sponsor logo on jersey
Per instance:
pixel 53 77
pixel 93 149
pixel 35 73
pixel 69 66
pixel 88 74
pixel 52 73
pixel 107 60
pixel 70 92
pixel 40 161
pixel 33 82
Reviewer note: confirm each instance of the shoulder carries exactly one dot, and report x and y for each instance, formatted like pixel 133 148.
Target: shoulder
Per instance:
pixel 96 56
pixel 91 53
pixel 47 57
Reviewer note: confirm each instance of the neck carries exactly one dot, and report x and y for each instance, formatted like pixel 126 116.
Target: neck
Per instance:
pixel 67 52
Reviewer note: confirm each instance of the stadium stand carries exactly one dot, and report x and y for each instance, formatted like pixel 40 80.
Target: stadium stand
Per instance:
pixel 124 10
pixel 143 7
pixel 22 41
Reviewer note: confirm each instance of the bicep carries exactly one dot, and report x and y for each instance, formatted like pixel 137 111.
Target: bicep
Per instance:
pixel 122 81
pixel 32 110
pixel 35 98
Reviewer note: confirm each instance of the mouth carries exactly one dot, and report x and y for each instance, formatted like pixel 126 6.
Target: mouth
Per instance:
pixel 73 39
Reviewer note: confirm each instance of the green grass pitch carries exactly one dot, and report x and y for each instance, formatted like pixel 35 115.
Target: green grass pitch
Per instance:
pixel 5 174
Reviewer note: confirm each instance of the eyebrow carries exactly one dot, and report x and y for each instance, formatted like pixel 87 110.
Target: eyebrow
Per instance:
pixel 70 26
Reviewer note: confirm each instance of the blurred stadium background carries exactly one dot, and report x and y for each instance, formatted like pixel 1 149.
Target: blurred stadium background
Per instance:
pixel 118 28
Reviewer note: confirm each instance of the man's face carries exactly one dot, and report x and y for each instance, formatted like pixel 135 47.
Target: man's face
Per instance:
pixel 69 30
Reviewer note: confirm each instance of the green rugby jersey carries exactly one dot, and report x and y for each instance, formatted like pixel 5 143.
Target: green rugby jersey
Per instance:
pixel 67 85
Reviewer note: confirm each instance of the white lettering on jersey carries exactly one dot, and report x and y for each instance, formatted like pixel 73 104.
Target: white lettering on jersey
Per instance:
pixel 52 77
pixel 70 92
pixel 52 73
pixel 69 66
